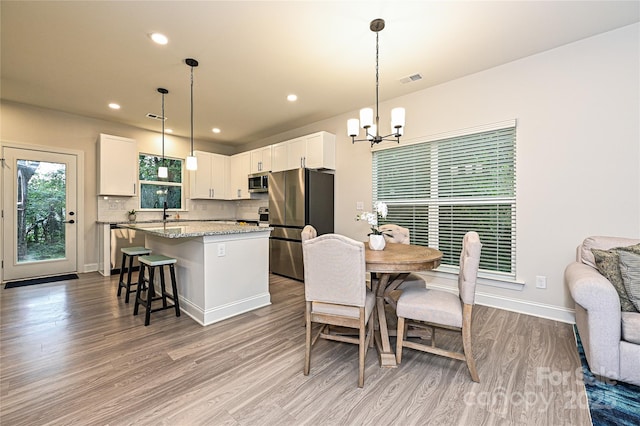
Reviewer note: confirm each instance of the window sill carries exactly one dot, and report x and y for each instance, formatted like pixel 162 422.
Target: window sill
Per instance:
pixel 483 279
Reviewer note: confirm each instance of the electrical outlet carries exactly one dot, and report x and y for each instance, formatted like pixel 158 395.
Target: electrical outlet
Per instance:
pixel 541 281
pixel 222 250
pixel 359 205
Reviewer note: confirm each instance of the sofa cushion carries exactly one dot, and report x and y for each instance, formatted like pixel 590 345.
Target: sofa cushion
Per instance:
pixel 601 243
pixel 631 327
pixel 607 264
pixel 630 271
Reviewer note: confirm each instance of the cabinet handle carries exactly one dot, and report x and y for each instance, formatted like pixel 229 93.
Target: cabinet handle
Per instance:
pixel 239 192
pixel 134 188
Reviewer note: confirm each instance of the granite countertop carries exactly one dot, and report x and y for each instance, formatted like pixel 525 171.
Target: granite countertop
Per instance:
pixel 136 222
pixel 193 229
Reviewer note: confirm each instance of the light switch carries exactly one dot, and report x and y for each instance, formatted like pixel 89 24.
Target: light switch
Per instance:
pixel 359 205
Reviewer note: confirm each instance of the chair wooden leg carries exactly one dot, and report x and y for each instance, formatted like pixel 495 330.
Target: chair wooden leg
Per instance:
pixel 372 330
pixel 307 350
pixel 399 339
pixel 466 342
pixel 362 348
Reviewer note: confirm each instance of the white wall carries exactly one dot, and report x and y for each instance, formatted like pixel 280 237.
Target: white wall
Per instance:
pixel 578 152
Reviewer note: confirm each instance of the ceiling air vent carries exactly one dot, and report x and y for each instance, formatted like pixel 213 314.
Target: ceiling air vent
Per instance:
pixel 155 116
pixel 411 78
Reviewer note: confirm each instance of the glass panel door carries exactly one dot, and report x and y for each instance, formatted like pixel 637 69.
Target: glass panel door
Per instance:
pixel 40 224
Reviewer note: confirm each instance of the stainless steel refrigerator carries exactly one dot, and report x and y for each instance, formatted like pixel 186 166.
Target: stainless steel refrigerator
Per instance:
pixel 297 198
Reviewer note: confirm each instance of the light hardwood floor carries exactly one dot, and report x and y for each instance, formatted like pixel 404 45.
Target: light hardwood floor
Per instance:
pixel 73 353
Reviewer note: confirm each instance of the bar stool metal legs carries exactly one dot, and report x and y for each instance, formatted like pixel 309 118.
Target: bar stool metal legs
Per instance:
pixel 130 253
pixel 151 263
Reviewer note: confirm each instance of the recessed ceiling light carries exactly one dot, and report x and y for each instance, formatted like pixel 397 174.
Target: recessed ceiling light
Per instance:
pixel 292 98
pixel 215 130
pixel 113 105
pixel 168 130
pixel 159 38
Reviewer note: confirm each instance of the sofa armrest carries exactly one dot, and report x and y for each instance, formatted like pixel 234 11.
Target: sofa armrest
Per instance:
pixel 593 291
pixel 598 318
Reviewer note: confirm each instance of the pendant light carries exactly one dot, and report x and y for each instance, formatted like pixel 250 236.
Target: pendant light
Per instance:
pixel 163 171
pixel 372 130
pixel 192 160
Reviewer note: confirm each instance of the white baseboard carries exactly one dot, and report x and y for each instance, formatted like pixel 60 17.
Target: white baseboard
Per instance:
pixel 223 312
pixel 552 312
pixel 90 267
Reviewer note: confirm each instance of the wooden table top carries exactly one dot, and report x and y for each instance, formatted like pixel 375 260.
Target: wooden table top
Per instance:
pixel 401 258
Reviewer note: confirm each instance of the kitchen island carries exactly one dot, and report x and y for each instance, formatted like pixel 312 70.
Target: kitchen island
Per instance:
pixel 222 268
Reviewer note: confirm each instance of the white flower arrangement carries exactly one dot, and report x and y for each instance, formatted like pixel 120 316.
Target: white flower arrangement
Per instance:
pixel 380 211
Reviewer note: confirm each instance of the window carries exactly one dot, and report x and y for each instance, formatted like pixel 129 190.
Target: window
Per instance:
pixel 440 189
pixel 154 191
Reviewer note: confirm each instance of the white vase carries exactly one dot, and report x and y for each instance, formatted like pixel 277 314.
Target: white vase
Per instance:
pixel 376 242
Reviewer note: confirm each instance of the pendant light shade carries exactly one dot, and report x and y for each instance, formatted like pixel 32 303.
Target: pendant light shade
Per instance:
pixel 163 171
pixel 372 127
pixel 192 160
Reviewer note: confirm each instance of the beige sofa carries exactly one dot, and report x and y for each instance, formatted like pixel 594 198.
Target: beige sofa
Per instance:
pixel 611 338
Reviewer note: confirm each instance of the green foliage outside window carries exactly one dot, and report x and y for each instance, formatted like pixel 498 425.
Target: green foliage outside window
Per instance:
pixel 41 211
pixel 154 191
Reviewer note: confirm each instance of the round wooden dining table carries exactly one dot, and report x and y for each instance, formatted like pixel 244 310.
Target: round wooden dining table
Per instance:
pixel 390 267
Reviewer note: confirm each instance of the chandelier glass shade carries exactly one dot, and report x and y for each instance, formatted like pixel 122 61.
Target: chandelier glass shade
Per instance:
pixel 367 121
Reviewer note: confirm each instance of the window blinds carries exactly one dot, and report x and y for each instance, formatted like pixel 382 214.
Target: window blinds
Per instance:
pixel 443 188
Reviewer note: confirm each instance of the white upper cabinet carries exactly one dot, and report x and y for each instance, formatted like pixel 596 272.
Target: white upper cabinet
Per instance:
pixel 315 151
pixel 320 151
pixel 209 181
pixel 261 160
pixel 279 157
pixel 117 166
pixel 239 170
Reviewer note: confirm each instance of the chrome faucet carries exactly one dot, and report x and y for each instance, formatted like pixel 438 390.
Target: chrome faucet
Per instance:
pixel 164 212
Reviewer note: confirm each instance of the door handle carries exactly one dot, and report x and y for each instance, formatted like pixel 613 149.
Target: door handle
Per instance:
pixel 70 221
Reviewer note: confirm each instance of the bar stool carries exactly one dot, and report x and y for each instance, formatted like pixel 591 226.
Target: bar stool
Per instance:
pixel 152 262
pixel 129 252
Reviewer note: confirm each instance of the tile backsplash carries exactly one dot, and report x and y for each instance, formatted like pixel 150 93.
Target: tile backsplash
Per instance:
pixel 115 209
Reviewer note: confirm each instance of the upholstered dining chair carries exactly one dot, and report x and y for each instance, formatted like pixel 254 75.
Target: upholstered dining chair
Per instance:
pixel 336 294
pixel 308 232
pixel 443 309
pixel 396 234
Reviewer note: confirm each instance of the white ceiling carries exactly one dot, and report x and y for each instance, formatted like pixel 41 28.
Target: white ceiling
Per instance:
pixel 79 56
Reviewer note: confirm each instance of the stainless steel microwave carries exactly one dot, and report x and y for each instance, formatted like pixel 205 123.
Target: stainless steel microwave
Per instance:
pixel 259 182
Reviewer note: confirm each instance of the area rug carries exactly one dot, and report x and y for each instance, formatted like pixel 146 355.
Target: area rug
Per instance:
pixel 610 402
pixel 43 280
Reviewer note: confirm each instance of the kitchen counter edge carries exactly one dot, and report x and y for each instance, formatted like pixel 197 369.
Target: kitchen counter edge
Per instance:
pixel 175 229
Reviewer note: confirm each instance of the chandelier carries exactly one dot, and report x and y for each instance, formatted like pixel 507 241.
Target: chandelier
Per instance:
pixel 372 130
